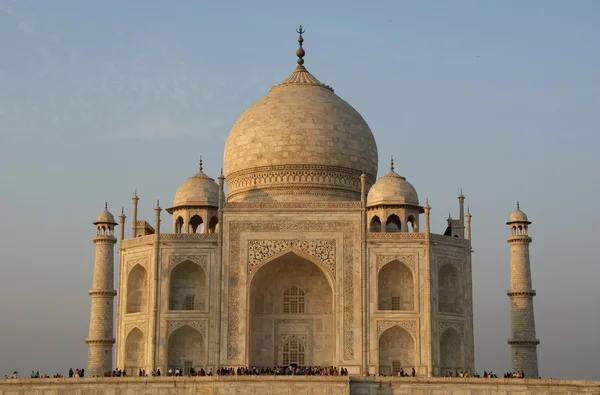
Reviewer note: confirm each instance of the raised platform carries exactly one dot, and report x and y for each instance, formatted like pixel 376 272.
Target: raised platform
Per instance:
pixel 294 385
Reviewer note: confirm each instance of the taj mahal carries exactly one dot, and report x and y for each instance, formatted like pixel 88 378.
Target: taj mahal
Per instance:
pixel 297 254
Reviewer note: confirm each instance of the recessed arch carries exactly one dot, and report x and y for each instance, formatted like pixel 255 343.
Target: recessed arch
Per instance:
pixel 268 329
pixel 449 289
pixel 186 349
pixel 135 352
pixel 137 289
pixel 188 287
pixel 451 351
pixel 396 351
pixel 395 287
pixel 392 224
pixel 375 224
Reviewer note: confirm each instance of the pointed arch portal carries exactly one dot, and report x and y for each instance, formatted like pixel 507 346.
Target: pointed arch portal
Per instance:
pixel 291 315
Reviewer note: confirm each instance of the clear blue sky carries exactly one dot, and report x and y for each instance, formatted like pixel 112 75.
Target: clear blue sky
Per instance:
pixel 499 98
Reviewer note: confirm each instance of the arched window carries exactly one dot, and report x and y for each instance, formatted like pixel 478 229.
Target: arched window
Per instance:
pixel 411 224
pixel 293 301
pixel 212 225
pixel 137 287
pixel 395 287
pixel 375 225
pixel 135 355
pixel 393 224
pixel 178 225
pixel 187 288
pixel 195 225
pixel 186 349
pixel 451 351
pixel 396 351
pixel 293 353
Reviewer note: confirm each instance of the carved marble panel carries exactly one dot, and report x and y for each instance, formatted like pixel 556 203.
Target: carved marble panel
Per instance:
pixel 143 262
pixel 199 325
pixel 442 326
pixel 129 326
pixel 260 250
pixel 454 261
pixel 410 325
pixel 197 259
pixel 408 260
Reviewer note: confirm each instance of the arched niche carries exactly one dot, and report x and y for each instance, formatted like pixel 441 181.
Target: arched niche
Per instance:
pixel 135 352
pixel 449 290
pixel 137 290
pixel 395 287
pixel 451 352
pixel 392 224
pixel 187 287
pixel 290 288
pixel 186 349
pixel 396 351
pixel 375 224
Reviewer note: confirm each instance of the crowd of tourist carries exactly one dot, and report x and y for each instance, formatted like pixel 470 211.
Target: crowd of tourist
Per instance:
pixel 519 374
pixel 275 371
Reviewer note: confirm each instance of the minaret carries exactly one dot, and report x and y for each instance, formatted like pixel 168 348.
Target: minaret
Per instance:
pixel 468 217
pixel 523 342
pixel 427 209
pixel 135 199
pixel 100 339
pixel 461 208
pixel 122 224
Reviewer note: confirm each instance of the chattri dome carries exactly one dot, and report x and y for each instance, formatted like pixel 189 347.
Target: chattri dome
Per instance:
pixel 518 216
pixel 198 190
pixel 105 217
pixel 299 142
pixel 392 188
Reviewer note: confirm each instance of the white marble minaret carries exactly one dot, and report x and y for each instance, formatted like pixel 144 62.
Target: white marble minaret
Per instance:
pixel 101 339
pixel 523 342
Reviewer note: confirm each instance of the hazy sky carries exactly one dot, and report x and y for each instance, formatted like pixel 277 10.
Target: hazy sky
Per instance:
pixel 499 98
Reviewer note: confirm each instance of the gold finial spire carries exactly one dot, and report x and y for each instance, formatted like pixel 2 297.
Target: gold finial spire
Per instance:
pixel 106 205
pixel 200 167
pixel 392 163
pixel 300 52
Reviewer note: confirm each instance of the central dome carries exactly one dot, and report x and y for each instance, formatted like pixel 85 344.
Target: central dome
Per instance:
pixel 299 142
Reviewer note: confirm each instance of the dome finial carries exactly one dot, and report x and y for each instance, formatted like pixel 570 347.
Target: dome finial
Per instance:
pixel 200 167
pixel 106 205
pixel 518 208
pixel 300 52
pixel 392 163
